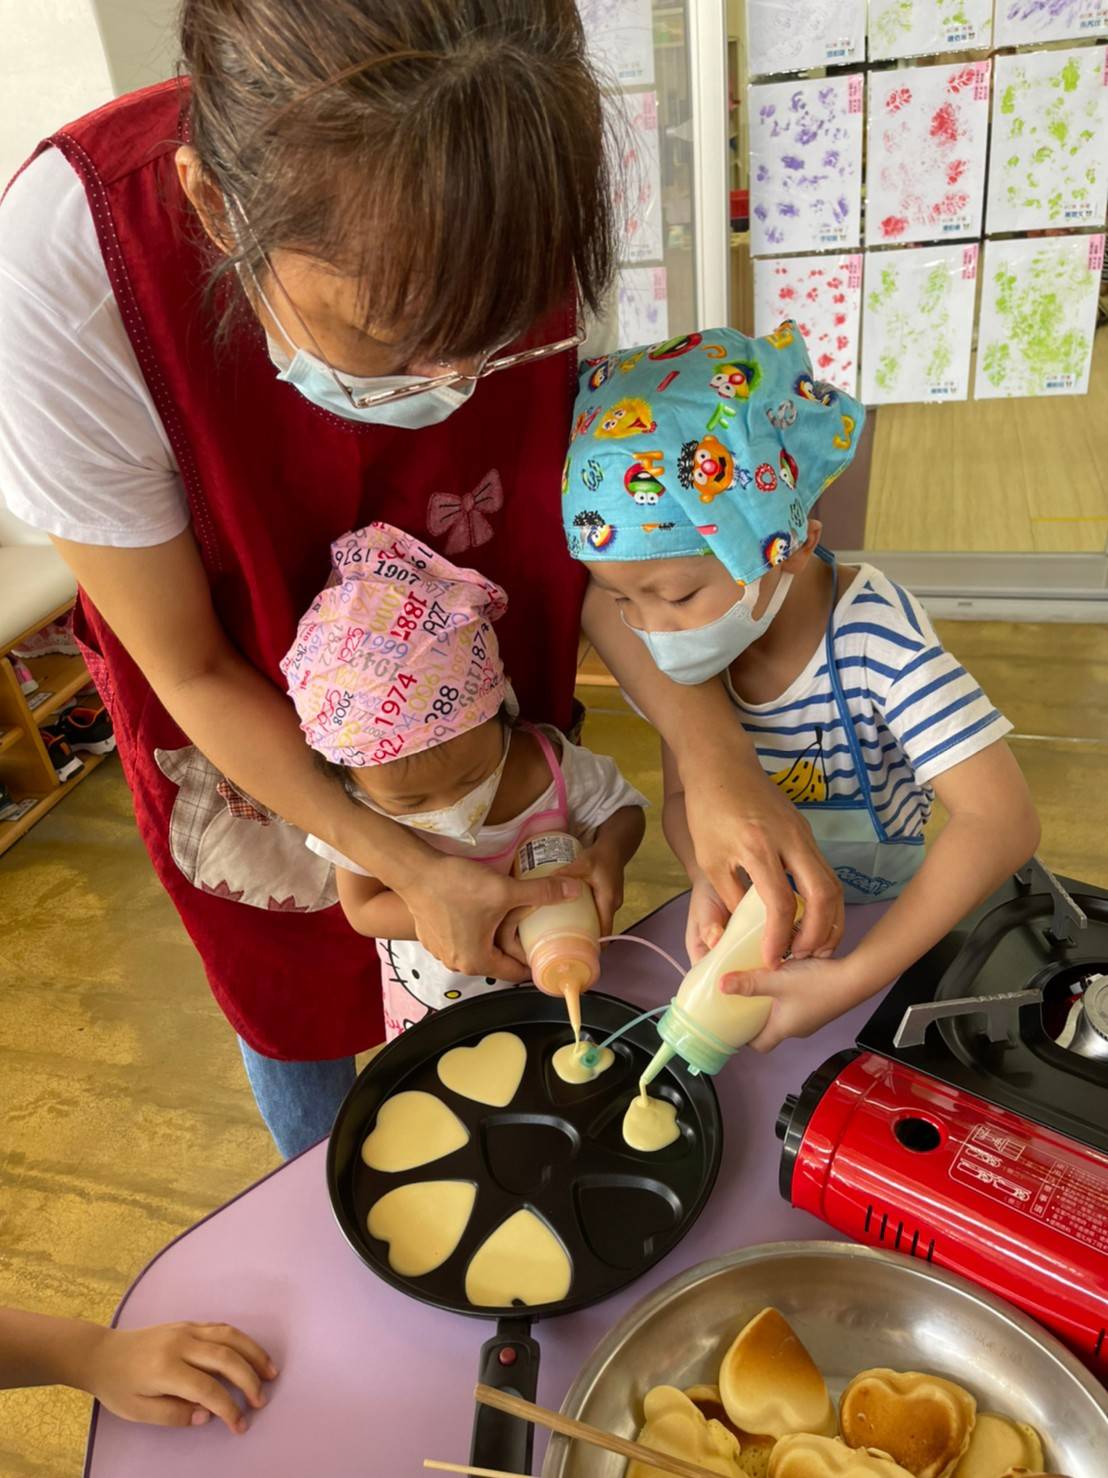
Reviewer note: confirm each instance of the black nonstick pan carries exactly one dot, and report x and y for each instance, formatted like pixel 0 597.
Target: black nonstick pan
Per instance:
pixel 557 1150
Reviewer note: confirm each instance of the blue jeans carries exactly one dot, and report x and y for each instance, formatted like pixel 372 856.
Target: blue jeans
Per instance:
pixel 297 1100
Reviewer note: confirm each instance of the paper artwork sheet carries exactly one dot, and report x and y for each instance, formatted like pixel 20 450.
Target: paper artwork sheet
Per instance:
pixel 917 324
pixel 1026 22
pixel 638 176
pixel 641 305
pixel 620 37
pixel 792 37
pixel 928 129
pixel 824 296
pixel 1048 164
pixel 1038 316
pixel 805 164
pixel 928 27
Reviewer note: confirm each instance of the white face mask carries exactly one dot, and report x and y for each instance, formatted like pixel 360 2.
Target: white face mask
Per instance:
pixel 462 821
pixel 695 656
pixel 316 383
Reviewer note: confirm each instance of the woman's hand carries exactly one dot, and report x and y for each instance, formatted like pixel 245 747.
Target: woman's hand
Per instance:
pixel 168 1375
pixel 806 994
pixel 706 921
pixel 741 823
pixel 463 913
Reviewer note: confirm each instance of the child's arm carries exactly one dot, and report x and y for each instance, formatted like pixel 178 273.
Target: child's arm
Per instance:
pixel 992 831
pixel 165 1375
pixel 603 863
pixel 371 908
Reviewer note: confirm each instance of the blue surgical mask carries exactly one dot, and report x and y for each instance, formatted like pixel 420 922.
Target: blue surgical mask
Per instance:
pixel 316 383
pixel 699 654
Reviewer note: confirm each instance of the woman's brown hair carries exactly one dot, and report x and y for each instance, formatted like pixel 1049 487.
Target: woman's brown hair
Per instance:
pixel 449 154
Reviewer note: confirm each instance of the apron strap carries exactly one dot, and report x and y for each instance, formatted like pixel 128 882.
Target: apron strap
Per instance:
pixel 555 768
pixel 840 698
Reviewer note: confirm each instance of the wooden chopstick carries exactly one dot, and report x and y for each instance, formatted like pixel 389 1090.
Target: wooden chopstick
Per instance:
pixel 566 1426
pixel 475 1472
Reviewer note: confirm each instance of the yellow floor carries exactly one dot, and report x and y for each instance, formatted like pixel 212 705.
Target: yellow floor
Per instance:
pixel 988 475
pixel 124 1116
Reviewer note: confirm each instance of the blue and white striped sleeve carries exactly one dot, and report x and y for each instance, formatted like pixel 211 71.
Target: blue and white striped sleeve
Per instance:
pixel 934 708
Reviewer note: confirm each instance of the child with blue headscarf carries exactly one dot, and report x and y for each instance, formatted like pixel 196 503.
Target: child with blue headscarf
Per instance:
pixel 689 487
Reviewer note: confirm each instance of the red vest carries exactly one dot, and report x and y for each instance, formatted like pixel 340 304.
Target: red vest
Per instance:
pixel 271 481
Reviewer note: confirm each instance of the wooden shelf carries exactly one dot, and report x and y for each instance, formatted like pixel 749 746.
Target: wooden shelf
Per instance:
pixel 9 737
pixel 60 676
pixel 11 831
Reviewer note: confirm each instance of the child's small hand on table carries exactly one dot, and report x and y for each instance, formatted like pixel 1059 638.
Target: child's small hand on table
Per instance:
pixel 167 1375
pixel 807 994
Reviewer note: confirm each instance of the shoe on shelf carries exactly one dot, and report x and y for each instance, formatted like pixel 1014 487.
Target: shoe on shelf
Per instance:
pixel 87 728
pixel 23 675
pixel 53 640
pixel 61 756
pixel 8 806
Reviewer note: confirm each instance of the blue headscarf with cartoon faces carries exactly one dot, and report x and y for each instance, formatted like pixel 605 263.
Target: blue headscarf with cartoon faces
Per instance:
pixel 709 442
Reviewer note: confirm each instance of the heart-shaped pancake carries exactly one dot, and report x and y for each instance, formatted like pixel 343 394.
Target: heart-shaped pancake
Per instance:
pixel 922 1421
pixel 522 1259
pixel 412 1129
pixel 488 1073
pixel 998 1444
pixel 422 1223
pixel 805 1456
pixel 674 1426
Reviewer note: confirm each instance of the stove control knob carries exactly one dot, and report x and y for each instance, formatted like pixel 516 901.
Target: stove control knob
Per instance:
pixel 785 1117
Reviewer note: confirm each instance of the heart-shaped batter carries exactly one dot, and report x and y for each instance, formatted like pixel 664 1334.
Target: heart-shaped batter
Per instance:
pixel 522 1259
pixel 422 1223
pixel 413 1129
pixel 489 1073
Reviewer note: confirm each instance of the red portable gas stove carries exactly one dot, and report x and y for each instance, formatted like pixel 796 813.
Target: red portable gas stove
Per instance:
pixel 970 1126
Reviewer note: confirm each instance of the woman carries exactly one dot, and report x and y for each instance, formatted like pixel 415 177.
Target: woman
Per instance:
pixel 216 301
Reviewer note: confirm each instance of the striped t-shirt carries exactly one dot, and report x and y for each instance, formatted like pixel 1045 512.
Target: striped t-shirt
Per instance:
pixel 916 711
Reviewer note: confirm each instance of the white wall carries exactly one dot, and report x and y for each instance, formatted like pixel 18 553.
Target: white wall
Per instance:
pixel 140 38
pixel 59 59
pixel 52 69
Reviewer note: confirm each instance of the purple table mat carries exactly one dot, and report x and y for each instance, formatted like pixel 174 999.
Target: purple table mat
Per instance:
pixel 373 1382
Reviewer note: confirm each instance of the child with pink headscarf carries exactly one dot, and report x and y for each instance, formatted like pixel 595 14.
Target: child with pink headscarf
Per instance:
pixel 397 679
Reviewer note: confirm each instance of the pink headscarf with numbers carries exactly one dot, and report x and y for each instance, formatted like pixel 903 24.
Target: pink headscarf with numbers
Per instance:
pixel 397 653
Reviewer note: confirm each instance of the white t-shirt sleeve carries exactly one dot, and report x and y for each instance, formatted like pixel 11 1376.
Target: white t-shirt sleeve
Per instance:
pixel 332 855
pixel 83 452
pixel 934 708
pixel 595 789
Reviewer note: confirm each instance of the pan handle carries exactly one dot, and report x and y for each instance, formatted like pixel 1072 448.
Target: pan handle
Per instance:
pixel 509 1362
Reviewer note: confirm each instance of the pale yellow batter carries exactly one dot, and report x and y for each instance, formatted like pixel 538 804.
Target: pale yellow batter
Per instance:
pixel 488 1073
pixel 523 1260
pixel 568 1062
pixel 650 1123
pixel 413 1129
pixel 422 1223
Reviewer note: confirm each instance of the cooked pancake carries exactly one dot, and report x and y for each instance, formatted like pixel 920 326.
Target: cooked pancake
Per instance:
pixel 673 1425
pixel 922 1421
pixel 807 1456
pixel 998 1445
pixel 754 1451
pixel 769 1383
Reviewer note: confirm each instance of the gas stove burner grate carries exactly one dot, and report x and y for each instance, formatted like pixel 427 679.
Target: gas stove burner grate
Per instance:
pixel 1008 1009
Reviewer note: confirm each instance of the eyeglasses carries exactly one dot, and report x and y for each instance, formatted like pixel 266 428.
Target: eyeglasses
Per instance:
pixel 489 364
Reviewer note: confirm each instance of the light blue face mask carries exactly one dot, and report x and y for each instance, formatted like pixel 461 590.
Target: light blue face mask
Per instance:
pixel 699 654
pixel 316 383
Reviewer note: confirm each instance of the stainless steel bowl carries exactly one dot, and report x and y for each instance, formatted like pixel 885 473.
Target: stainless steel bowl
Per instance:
pixel 853 1307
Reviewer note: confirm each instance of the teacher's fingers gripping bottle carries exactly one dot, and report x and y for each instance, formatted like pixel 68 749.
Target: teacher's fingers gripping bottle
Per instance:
pixel 704 1026
pixel 561 940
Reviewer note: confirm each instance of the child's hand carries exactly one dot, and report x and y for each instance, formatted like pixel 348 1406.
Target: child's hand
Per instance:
pixel 807 994
pixel 706 921
pixel 601 866
pixel 167 1375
